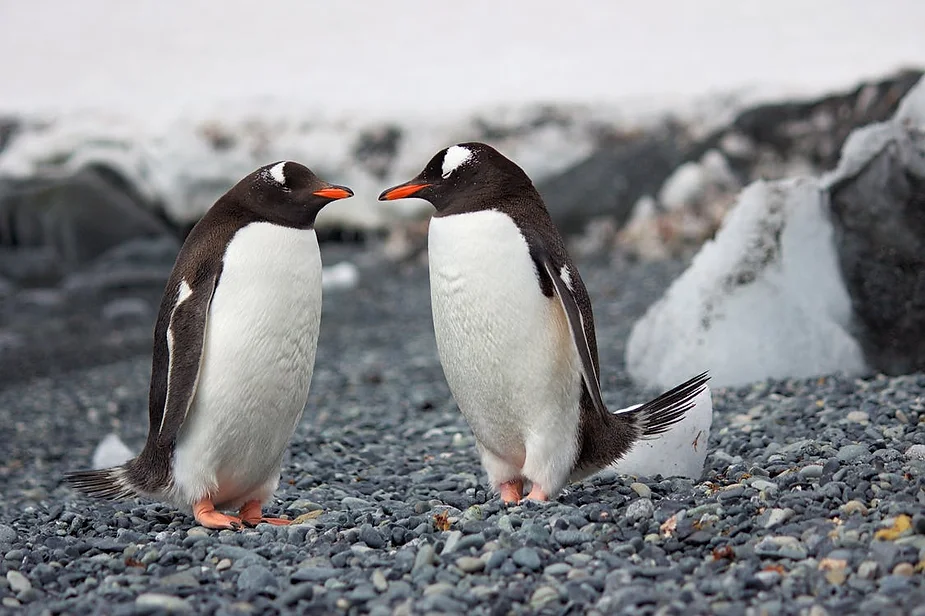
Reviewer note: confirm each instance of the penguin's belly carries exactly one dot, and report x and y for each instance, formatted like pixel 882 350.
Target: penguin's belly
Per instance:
pixel 257 366
pixel 506 348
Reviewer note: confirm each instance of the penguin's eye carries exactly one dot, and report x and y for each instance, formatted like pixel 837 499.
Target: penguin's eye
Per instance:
pixel 455 157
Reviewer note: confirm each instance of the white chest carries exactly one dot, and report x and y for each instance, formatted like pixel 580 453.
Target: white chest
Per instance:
pixel 505 347
pixel 258 360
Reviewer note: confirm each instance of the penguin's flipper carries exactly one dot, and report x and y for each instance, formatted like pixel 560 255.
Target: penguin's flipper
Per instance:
pixel 185 335
pixel 563 290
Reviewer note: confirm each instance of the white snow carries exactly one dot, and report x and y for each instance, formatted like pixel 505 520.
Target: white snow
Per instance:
pixel 679 452
pixel 764 299
pixel 453 158
pixel 187 164
pixel 111 452
pixel 684 186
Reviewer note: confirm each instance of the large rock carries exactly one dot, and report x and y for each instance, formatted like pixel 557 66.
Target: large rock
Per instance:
pixel 806 276
pixel 764 299
pixel 765 142
pixel 610 181
pixel 878 210
pixel 50 226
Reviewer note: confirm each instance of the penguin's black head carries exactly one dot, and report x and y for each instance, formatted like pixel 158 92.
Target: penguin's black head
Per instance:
pixel 464 177
pixel 286 193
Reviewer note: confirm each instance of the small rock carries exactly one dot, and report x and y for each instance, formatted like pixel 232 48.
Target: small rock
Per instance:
pixel 639 509
pixel 351 502
pixel 905 569
pixel 812 471
pixel 424 557
pixel 380 583
pixel 858 417
pixel 452 539
pixel 782 547
pixel 527 558
pixel 169 603
pixel 372 537
pixel 256 578
pixel 557 569
pixel 765 486
pixel 7 536
pixel 641 489
pixel 571 537
pixel 223 565
pixel 470 564
pixel 300 592
pixel 916 452
pixel 854 506
pixel 18 582
pixel 181 579
pixel 198 531
pixel 848 453
pixel 868 569
pixel 542 596
pixel 776 517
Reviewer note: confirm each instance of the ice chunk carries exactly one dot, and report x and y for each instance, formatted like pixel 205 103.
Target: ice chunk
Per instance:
pixel 764 299
pixel 111 452
pixel 679 452
pixel 344 275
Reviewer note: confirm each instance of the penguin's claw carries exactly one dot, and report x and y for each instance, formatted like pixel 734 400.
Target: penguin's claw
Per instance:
pixel 251 515
pixel 205 513
pixel 511 491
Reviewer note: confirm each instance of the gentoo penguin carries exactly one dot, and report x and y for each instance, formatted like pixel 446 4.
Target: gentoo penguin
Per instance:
pixel 234 350
pixel 514 329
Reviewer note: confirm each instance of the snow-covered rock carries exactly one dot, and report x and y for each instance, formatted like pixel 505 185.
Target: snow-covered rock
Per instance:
pixel 878 210
pixel 181 167
pixel 764 299
pixel 679 452
pixel 111 452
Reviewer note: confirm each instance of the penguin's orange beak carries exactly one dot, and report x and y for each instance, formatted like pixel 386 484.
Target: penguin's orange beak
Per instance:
pixel 334 192
pixel 402 191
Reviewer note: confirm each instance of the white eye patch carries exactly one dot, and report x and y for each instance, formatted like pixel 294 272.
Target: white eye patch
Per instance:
pixel 454 158
pixel 277 173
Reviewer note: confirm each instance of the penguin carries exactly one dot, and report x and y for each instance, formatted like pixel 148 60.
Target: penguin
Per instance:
pixel 234 351
pixel 515 331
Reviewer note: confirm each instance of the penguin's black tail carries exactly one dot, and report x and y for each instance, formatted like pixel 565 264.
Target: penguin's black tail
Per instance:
pixel 658 415
pixel 108 483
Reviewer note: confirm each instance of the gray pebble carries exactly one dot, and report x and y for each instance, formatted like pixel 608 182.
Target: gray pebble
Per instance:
pixel 641 489
pixel 470 564
pixel 812 471
pixel 847 453
pixel 168 603
pixel 915 452
pixel 527 558
pixel 256 578
pixel 571 537
pixel 18 582
pixel 371 537
pixel 639 509
pixel 7 536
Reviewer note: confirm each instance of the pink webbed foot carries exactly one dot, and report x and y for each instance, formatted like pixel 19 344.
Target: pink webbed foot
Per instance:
pixel 252 515
pixel 537 494
pixel 205 513
pixel 511 491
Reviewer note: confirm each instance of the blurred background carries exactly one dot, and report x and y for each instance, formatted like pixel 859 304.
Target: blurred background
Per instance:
pixel 121 123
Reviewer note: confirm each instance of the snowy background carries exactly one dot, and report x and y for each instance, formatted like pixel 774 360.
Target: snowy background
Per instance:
pixel 161 58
